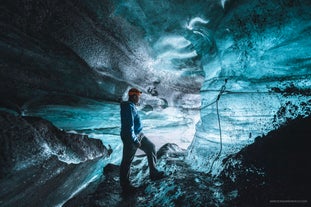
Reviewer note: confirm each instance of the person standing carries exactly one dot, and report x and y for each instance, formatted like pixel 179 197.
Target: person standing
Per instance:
pixel 133 138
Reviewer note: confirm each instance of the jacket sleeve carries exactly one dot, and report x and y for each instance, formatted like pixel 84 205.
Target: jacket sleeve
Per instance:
pixel 127 121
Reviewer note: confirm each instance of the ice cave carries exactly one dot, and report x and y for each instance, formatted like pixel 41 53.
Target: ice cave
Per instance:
pixel 226 99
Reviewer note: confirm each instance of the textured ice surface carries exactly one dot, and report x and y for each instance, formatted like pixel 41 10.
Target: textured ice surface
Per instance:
pixel 101 120
pixel 178 53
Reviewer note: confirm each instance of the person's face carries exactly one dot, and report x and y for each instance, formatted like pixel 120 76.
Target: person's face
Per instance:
pixel 135 98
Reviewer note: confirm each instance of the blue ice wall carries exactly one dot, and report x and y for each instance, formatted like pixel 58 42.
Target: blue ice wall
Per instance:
pixel 257 51
pixel 179 53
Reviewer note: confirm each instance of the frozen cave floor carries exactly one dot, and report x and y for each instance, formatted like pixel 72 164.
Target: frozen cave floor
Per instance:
pixel 274 170
pixel 182 186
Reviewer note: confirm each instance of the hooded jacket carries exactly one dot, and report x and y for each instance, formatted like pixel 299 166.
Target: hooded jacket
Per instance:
pixel 131 124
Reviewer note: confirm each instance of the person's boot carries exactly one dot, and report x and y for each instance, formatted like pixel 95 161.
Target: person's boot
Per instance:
pixel 157 175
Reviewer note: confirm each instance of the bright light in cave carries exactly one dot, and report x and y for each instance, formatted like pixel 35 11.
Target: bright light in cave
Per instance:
pixel 195 20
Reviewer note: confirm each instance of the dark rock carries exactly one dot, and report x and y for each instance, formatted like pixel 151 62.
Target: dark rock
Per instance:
pixel 111 170
pixel 170 150
pixel 275 167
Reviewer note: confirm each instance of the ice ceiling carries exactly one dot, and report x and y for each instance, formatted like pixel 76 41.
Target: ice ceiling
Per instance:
pixel 180 53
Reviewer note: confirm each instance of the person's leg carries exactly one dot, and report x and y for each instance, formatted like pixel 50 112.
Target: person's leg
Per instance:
pixel 129 151
pixel 149 148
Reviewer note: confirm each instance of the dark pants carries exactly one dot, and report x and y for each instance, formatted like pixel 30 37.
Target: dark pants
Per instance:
pixel 129 150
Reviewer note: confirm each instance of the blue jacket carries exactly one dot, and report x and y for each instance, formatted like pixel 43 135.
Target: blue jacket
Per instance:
pixel 131 124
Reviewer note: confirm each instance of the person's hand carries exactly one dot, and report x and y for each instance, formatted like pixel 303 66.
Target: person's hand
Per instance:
pixel 137 144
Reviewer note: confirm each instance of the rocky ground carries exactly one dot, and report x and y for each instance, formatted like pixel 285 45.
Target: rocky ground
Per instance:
pixel 182 186
pixel 273 171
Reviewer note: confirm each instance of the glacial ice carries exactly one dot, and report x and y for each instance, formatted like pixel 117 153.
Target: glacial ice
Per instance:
pixel 72 63
pixel 179 57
